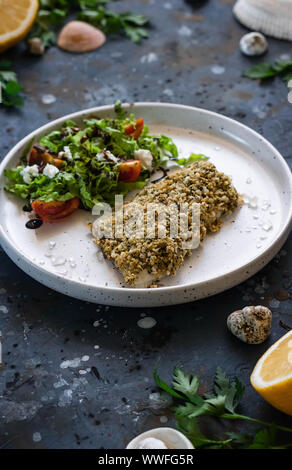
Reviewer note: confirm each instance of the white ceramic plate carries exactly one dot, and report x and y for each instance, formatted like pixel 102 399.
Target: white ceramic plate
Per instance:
pixel 247 241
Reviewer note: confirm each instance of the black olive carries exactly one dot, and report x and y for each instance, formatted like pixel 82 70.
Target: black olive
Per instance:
pixel 34 223
pixel 27 207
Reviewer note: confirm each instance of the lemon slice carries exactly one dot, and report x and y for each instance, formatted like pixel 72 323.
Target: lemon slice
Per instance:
pixel 16 19
pixel 272 375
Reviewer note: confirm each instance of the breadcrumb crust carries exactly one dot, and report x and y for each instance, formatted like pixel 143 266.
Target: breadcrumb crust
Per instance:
pixel 144 261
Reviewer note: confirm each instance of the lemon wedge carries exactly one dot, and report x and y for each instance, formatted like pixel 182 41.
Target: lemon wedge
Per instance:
pixel 16 19
pixel 272 375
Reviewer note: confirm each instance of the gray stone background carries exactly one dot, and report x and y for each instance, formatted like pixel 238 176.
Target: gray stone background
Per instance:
pixel 43 403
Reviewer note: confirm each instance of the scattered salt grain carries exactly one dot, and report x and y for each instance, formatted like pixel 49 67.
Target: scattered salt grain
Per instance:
pixel 36 437
pixel 163 419
pixel 185 31
pixel 146 322
pixel 48 99
pixel 71 363
pixel 58 261
pixel 217 69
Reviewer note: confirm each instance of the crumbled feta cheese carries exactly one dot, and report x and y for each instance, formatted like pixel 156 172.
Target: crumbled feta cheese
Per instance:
pixel 106 155
pixel 28 172
pixel 145 157
pixel 100 156
pixel 50 170
pixel 67 153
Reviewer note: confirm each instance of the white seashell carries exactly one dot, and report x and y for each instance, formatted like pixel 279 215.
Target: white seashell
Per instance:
pixel 253 44
pixel 161 438
pixel 251 324
pixel 271 17
pixel 78 36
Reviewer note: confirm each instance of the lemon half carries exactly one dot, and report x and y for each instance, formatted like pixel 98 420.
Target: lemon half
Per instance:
pixel 272 375
pixel 16 20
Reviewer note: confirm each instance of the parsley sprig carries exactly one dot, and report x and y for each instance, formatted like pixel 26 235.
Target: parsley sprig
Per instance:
pixel 52 14
pixel 221 403
pixel 10 88
pixel 281 68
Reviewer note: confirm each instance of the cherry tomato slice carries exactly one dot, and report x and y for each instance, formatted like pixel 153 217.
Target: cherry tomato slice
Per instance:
pixel 135 130
pixel 130 171
pixel 55 210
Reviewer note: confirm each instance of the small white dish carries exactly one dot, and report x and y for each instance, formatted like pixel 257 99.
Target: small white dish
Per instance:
pixel 172 439
pixel 248 239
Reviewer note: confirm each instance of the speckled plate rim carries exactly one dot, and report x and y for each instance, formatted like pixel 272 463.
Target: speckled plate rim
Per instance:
pixel 151 297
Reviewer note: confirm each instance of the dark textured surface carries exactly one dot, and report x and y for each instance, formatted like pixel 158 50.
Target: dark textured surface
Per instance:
pixel 109 405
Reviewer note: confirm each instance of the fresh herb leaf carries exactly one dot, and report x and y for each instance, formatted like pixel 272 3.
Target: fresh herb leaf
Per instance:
pixel 281 68
pixel 53 13
pixel 185 383
pixel 261 71
pixel 233 392
pixel 264 439
pixel 220 404
pixel 200 441
pixel 113 23
pixel 163 385
pixel 9 87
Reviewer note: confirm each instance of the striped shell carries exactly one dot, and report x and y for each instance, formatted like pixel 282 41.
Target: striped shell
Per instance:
pixel 271 17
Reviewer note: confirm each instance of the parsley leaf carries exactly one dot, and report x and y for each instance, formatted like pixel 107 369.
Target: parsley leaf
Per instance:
pixel 233 392
pixel 52 14
pixel 185 383
pixel 10 88
pixel 264 439
pixel 261 71
pixel 163 385
pixel 281 68
pixel 190 429
pixel 222 404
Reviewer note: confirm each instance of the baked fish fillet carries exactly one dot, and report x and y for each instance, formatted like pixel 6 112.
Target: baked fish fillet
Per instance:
pixel 144 261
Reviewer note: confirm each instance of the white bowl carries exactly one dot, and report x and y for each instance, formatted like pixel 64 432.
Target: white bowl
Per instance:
pixel 172 438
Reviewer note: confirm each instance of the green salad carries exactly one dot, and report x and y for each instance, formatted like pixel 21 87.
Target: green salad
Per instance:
pixel 93 163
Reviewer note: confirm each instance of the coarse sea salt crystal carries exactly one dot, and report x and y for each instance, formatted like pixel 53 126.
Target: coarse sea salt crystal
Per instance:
pixel 58 261
pixel 267 226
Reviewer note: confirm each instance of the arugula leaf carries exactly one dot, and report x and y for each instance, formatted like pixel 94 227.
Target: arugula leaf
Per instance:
pixel 191 159
pixel 9 87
